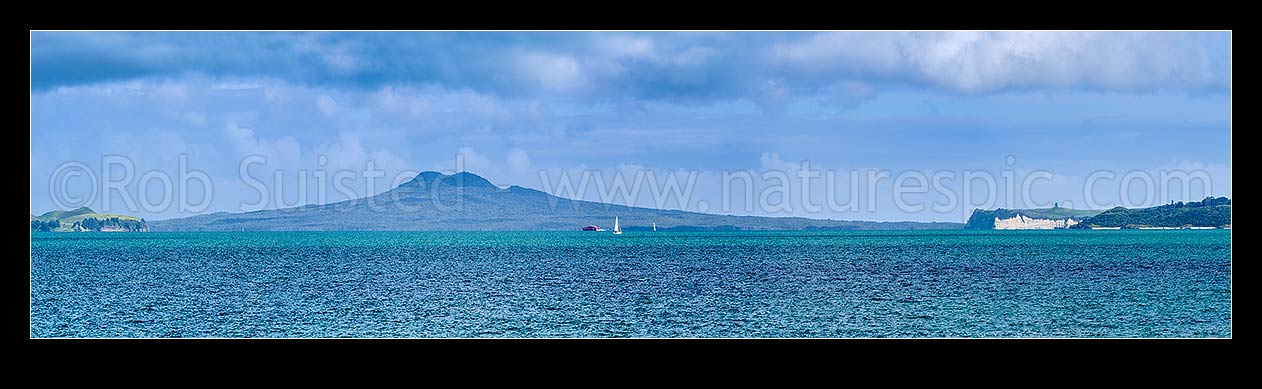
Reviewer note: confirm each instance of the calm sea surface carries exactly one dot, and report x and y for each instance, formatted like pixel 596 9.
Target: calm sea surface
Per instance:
pixel 640 284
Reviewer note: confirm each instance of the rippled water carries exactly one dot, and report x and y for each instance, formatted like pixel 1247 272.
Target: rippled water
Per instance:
pixel 640 284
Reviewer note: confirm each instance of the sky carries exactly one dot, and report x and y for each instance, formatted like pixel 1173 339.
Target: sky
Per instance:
pixel 1101 118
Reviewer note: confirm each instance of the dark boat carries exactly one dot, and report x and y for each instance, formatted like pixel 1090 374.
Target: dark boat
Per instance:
pixel 591 228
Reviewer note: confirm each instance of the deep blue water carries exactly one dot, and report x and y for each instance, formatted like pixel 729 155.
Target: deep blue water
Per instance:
pixel 949 283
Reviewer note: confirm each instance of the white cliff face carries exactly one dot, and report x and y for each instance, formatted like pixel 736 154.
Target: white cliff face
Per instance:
pixel 1020 222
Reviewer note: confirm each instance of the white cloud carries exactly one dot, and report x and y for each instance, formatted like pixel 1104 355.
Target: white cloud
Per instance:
pixel 981 62
pixel 692 56
pixel 624 45
pixel 550 72
pixel 280 152
pixel 170 91
pixel 349 153
pixel 474 162
pixel 326 105
pixel 518 161
pixel 194 118
pixel 772 161
pixel 402 100
pixel 233 85
pixel 773 96
pixel 341 61
pixel 386 159
pixel 274 94
pixel 847 94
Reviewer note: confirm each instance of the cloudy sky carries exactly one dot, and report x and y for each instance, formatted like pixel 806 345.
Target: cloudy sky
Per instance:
pixel 513 105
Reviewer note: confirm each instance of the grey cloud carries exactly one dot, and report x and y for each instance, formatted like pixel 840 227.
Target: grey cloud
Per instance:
pixel 840 68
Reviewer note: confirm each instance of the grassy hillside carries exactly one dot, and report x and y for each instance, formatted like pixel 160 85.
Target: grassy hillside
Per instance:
pixel 66 221
pixel 58 215
pixel 78 214
pixel 1211 212
pixel 1056 213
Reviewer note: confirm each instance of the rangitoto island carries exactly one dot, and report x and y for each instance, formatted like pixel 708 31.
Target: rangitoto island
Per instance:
pixel 1213 212
pixel 429 203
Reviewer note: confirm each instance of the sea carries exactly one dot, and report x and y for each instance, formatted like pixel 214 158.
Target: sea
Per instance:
pixel 820 284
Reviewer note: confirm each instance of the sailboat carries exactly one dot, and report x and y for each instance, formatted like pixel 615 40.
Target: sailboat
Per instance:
pixel 616 230
pixel 654 226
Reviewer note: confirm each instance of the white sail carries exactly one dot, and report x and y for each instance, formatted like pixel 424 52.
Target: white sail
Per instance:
pixel 616 230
